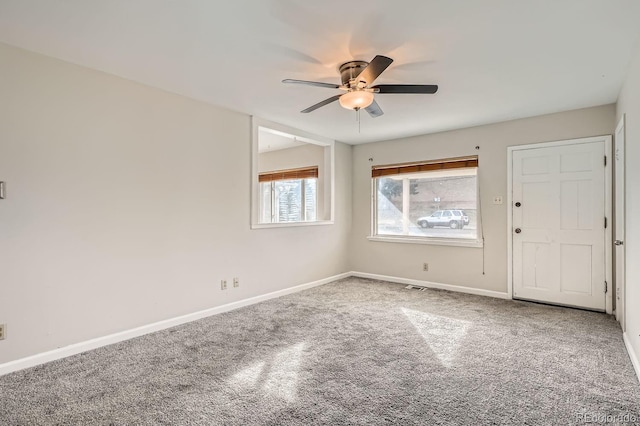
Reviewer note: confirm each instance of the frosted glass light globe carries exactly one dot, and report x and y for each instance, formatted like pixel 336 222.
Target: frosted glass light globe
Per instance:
pixel 356 99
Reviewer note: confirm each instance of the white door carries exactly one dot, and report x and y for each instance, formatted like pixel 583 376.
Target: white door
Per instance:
pixel 619 229
pixel 558 218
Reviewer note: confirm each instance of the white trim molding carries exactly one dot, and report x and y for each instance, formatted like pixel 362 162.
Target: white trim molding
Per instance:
pixel 459 242
pixel 430 284
pixel 76 348
pixel 634 357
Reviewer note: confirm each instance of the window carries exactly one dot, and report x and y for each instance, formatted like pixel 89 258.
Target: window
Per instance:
pixel 431 201
pixel 288 195
pixel 292 177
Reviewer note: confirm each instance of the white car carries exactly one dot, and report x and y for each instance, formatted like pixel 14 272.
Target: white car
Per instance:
pixel 454 219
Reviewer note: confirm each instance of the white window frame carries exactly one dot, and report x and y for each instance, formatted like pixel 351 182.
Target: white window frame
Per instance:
pixel 328 194
pixel 415 239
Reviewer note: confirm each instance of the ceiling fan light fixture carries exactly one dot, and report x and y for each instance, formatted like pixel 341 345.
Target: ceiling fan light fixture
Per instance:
pixel 356 99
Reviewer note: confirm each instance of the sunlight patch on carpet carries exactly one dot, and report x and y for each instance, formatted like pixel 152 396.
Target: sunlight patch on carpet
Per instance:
pixel 443 335
pixel 277 376
pixel 283 377
pixel 248 378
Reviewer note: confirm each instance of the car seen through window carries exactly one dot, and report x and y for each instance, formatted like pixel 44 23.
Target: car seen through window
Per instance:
pixel 454 219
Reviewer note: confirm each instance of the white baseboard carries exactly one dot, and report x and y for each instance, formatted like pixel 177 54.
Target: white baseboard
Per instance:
pixel 77 348
pixel 429 284
pixel 632 354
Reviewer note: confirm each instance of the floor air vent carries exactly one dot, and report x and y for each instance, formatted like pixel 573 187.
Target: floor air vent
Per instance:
pixel 415 287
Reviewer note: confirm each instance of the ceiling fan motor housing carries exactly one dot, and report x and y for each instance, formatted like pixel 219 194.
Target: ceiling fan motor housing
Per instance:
pixel 350 70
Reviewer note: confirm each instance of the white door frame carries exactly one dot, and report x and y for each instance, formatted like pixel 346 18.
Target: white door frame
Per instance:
pixel 621 308
pixel 608 232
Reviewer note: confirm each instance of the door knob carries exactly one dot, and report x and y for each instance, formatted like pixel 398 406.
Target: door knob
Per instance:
pixel 518 230
pixel 618 242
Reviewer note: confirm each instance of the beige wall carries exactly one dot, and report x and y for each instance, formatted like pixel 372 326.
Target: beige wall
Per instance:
pixel 459 265
pixel 291 158
pixel 629 105
pixel 127 205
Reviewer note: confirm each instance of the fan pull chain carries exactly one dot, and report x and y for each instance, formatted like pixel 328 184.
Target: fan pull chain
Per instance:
pixel 358 118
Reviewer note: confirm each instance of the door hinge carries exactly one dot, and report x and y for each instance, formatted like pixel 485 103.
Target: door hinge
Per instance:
pixel 606 286
pixel 605 160
pixel 605 223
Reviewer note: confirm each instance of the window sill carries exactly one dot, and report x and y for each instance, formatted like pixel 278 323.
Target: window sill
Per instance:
pixel 290 224
pixel 427 241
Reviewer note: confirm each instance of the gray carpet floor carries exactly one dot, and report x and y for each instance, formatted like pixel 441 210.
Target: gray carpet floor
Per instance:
pixel 354 351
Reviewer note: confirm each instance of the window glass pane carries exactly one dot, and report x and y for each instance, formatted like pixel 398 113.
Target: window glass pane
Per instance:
pixel 288 196
pixel 442 207
pixel 310 187
pixel 389 206
pixel 293 200
pixel 428 204
pixel 265 202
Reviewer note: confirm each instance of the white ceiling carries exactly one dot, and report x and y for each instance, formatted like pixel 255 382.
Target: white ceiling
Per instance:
pixel 494 60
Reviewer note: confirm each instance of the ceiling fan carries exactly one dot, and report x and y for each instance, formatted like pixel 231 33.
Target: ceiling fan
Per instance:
pixel 357 77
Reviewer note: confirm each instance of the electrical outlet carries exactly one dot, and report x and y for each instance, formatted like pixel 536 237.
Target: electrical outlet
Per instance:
pixel 223 285
pixel 425 267
pixel 3 331
pixel 497 199
pixel 236 282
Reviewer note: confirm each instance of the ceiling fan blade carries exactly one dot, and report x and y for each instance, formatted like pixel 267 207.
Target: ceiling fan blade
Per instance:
pixel 374 69
pixel 374 109
pixel 406 88
pixel 321 104
pixel 312 83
